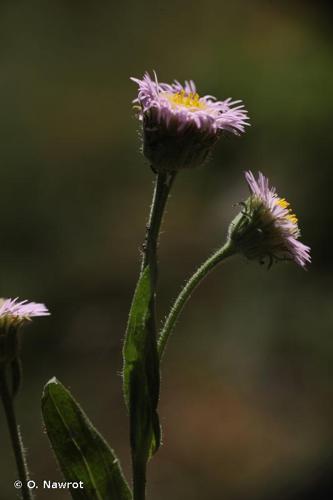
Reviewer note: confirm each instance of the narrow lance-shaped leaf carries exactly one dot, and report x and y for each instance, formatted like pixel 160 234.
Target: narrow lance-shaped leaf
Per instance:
pixel 82 453
pixel 141 373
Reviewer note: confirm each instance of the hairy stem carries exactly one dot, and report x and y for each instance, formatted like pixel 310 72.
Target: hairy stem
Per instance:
pixel 226 251
pixel 15 436
pixel 161 193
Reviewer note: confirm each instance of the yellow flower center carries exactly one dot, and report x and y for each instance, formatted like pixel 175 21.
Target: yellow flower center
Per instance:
pixel 283 203
pixel 187 100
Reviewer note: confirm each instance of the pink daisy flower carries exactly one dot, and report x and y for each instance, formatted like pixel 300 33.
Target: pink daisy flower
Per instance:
pixel 180 127
pixel 14 314
pixel 13 311
pixel 267 227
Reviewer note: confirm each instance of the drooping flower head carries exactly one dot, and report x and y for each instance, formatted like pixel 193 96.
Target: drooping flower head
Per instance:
pixel 14 314
pixel 267 227
pixel 180 127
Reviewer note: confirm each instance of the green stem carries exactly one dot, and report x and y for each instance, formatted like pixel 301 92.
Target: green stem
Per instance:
pixel 226 251
pixel 139 481
pixel 15 436
pixel 161 193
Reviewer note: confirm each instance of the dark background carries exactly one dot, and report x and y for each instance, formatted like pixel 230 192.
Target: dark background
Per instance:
pixel 246 402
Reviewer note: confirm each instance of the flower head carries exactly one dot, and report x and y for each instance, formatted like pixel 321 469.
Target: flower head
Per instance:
pixel 267 227
pixel 180 127
pixel 13 314
pixel 17 312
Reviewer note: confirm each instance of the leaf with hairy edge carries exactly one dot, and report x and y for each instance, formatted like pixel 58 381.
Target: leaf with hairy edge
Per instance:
pixel 141 373
pixel 82 453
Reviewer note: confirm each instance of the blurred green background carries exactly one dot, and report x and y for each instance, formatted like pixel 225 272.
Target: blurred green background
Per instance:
pixel 246 402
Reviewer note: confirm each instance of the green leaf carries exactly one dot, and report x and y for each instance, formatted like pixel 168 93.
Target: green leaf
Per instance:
pixel 141 374
pixel 82 453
